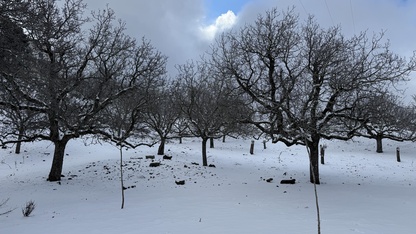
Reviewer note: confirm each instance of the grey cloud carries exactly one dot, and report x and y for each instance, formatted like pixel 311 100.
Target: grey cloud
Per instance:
pixel 172 26
pixel 396 17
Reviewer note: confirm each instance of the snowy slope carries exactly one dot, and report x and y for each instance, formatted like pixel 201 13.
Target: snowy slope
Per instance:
pixel 361 191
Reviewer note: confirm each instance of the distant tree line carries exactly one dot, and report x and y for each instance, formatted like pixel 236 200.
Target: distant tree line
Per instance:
pixel 65 75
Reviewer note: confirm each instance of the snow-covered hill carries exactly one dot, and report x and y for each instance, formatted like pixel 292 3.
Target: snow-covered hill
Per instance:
pixel 361 191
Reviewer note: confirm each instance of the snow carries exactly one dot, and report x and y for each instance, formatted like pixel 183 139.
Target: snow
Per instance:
pixel 361 191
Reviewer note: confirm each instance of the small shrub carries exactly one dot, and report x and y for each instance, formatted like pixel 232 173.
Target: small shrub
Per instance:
pixel 28 208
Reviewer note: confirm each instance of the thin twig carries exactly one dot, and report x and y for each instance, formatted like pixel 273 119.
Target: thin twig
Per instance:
pixel 2 204
pixel 121 176
pixel 315 188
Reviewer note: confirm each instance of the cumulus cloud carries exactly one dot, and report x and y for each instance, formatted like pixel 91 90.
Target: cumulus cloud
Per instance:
pixel 222 23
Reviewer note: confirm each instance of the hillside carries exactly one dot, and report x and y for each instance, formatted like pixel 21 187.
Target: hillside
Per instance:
pixel 361 191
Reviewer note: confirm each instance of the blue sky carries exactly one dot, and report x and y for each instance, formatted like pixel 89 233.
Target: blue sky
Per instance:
pixel 215 8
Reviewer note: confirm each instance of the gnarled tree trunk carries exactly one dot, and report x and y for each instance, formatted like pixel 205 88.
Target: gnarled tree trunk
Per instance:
pixel 58 160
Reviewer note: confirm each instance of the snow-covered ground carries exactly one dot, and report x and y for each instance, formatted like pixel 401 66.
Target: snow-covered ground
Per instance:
pixel 361 191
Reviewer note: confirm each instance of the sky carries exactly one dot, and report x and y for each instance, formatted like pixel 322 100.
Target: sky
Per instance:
pixel 184 29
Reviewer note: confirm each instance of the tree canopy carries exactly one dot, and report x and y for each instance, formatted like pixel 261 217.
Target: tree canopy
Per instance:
pixel 75 72
pixel 305 80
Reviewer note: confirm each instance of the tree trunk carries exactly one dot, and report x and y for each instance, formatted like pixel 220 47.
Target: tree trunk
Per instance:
pixel 314 161
pixel 379 140
pixel 18 146
pixel 161 150
pixel 19 138
pixel 58 161
pixel 211 142
pixel 204 152
pixel 223 139
pixel 398 154
pixel 252 147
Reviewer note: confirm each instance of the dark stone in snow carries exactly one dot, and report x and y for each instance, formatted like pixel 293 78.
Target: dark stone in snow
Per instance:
pixel 211 165
pixel 154 164
pixel 291 181
pixel 166 157
pixel 129 187
pixel 180 182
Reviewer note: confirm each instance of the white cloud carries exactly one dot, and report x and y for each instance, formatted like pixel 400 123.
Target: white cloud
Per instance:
pixel 222 23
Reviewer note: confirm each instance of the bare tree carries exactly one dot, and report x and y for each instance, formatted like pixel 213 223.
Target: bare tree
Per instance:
pixel 14 48
pixel 75 74
pixel 181 128
pixel 126 115
pixel 162 115
pixel 16 123
pixel 205 101
pixel 303 79
pixel 385 118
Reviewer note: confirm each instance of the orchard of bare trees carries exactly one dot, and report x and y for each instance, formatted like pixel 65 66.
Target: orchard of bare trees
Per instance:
pixel 307 83
pixel 73 80
pixel 66 74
